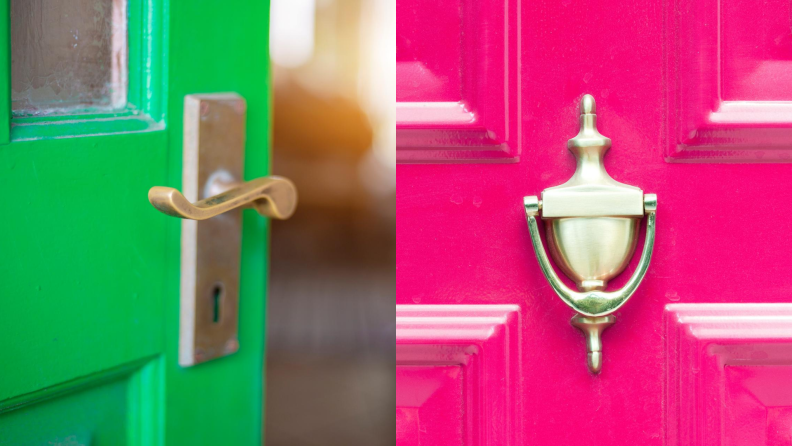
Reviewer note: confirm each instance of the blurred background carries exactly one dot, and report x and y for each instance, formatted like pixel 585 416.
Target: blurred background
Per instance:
pixel 331 312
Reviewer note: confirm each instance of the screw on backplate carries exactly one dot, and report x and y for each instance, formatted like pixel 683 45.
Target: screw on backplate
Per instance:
pixel 231 346
pixel 204 108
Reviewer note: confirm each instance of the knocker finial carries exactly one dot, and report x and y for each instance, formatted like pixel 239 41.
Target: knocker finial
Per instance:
pixel 588 106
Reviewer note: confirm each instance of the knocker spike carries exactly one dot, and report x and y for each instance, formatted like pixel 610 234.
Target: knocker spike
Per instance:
pixel 592 328
pixel 592 225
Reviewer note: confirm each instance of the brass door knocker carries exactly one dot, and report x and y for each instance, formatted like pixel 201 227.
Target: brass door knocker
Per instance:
pixel 592 224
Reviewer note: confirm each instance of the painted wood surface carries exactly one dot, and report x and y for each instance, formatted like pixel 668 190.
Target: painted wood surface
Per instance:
pixel 695 103
pixel 90 271
pixel 728 374
pixel 456 366
pixel 448 113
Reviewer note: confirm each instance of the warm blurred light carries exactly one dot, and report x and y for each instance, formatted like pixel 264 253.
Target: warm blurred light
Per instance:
pixel 292 32
pixel 331 313
pixel 377 86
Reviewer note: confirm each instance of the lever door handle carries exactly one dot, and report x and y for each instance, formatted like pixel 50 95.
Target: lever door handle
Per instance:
pixel 213 154
pixel 274 197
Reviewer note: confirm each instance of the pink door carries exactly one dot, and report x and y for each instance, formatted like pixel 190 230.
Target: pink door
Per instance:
pixel 696 96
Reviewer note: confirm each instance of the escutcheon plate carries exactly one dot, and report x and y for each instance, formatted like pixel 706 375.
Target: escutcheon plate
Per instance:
pixel 214 144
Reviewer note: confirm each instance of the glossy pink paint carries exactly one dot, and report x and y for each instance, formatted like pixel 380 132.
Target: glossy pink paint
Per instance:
pixel 457 80
pixel 730 84
pixel 456 366
pixel 729 374
pixel 681 90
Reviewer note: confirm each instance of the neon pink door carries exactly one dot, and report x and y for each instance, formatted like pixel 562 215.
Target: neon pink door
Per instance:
pixel 696 96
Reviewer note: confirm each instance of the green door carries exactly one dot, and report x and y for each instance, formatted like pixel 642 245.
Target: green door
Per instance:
pixel 91 104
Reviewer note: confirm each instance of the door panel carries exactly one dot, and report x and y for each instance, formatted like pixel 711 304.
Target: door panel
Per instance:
pixel 729 366
pixel 456 367
pixel 84 272
pixel 91 270
pixel 722 229
pixel 111 407
pixel 457 76
pixel 422 412
pixel 94 416
pixel 729 84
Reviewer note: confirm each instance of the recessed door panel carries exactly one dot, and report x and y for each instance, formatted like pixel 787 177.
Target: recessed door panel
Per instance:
pixel 429 405
pixel 728 85
pixel 423 73
pixel 457 76
pixel 455 370
pixel 729 369
pixel 94 416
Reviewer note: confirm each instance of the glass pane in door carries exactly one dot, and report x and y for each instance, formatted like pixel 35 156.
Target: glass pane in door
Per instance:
pixel 68 56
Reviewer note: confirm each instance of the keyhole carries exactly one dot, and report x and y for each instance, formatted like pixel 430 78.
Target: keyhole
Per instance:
pixel 217 295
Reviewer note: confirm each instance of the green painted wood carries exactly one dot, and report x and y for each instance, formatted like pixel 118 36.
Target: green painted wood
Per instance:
pixel 234 40
pixel 89 276
pixel 95 416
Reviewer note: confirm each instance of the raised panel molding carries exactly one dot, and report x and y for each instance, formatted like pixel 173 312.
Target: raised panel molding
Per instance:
pixel 729 374
pixel 463 360
pixel 728 81
pixel 457 81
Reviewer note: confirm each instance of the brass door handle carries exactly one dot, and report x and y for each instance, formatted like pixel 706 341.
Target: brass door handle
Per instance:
pixel 274 197
pixel 213 153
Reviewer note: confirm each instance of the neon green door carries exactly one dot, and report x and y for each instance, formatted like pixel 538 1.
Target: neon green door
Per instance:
pixel 90 271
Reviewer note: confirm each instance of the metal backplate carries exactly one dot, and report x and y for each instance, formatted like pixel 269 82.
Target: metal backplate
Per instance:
pixel 214 143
